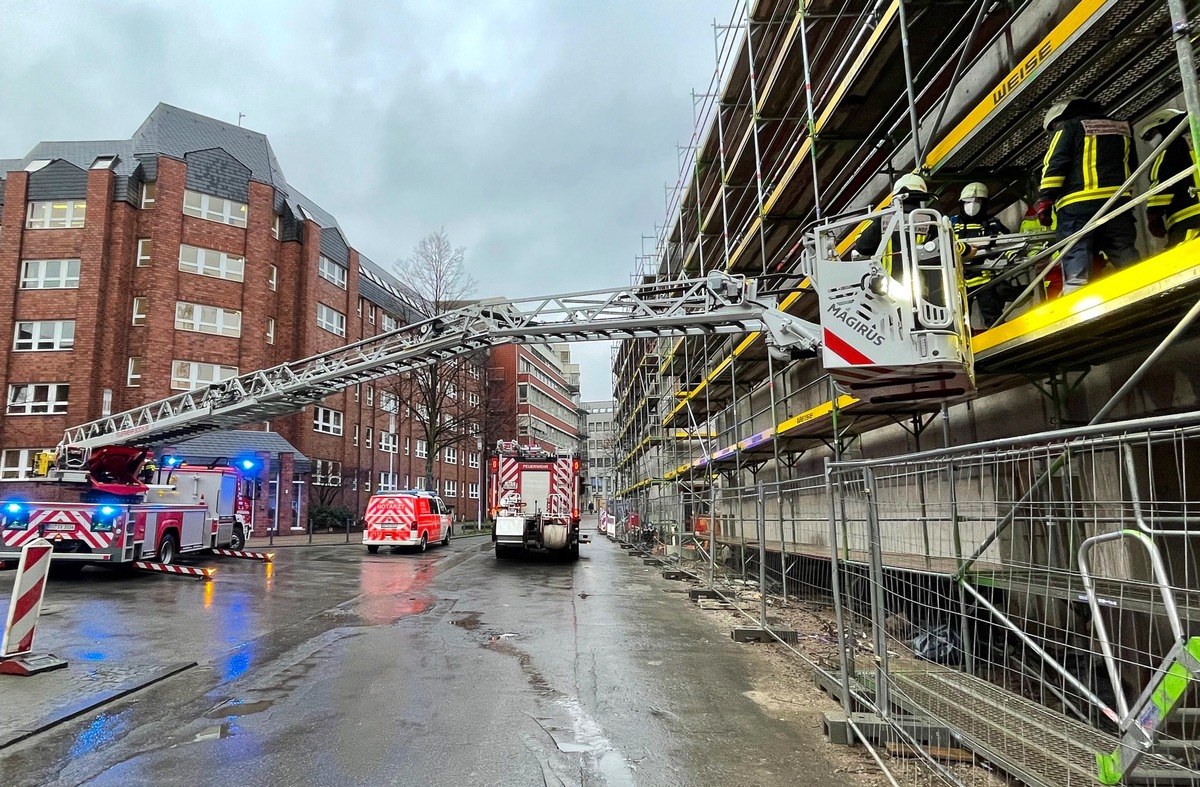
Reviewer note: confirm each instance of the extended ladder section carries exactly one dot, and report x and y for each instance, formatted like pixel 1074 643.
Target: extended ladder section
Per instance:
pixel 718 304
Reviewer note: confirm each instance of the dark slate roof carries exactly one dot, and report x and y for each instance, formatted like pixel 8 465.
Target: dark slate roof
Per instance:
pixel 172 131
pixel 209 447
pixel 378 286
pixel 82 154
pixel 322 217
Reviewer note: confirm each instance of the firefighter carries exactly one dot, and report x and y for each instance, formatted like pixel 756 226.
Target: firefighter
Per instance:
pixel 914 194
pixel 1090 156
pixel 1174 213
pixel 972 221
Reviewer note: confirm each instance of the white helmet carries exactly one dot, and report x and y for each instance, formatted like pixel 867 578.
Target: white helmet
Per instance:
pixel 1160 118
pixel 1057 109
pixel 973 191
pixel 910 183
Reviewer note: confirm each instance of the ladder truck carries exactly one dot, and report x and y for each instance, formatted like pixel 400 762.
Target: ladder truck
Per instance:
pixel 892 334
pixel 533 496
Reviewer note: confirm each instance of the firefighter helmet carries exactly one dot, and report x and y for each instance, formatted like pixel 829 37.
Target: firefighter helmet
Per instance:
pixel 910 184
pixel 1058 109
pixel 973 191
pixel 1160 118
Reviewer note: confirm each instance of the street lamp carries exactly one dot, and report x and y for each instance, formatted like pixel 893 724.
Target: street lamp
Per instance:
pixel 479 485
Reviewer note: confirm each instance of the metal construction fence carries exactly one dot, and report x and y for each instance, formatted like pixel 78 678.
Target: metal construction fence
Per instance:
pixel 1032 606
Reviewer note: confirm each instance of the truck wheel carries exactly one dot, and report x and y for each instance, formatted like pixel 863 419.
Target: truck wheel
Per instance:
pixel 237 540
pixel 446 540
pixel 373 549
pixel 65 570
pixel 573 552
pixel 424 542
pixel 167 549
pixel 503 553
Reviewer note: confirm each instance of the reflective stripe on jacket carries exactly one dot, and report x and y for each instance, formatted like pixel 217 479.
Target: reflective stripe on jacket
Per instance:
pixel 1179 202
pixel 1088 159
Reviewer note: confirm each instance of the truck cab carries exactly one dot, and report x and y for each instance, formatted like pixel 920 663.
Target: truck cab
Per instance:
pixel 412 518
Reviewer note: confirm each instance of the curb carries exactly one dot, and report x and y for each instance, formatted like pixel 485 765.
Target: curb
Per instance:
pixel 264 546
pixel 54 720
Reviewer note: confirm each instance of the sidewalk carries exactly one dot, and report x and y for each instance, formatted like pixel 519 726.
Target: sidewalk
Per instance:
pixel 336 538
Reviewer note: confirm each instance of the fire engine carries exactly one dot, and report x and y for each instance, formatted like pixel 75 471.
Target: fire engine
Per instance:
pixel 533 497
pixel 124 509
pixel 917 307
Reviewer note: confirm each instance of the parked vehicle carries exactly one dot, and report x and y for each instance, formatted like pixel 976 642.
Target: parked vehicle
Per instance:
pixel 412 518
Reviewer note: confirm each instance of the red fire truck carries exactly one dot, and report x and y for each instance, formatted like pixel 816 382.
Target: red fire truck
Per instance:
pixel 533 498
pixel 120 510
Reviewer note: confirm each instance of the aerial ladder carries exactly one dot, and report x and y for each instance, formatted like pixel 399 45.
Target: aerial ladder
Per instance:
pixel 897 336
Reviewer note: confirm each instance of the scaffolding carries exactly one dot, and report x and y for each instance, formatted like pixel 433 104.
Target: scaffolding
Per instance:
pixel 813 108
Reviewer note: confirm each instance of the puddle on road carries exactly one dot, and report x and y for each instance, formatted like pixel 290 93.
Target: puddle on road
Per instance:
pixel 223 730
pixel 468 621
pixel 237 707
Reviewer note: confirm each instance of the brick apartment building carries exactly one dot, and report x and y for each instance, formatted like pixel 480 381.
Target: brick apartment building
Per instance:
pixel 534 390
pixel 134 269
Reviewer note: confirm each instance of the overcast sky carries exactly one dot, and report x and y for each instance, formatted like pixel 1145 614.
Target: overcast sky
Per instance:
pixel 539 133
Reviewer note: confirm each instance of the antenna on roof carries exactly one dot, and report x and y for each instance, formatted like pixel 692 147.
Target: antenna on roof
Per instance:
pixel 240 116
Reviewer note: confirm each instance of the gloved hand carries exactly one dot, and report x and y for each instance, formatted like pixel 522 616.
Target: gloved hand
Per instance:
pixel 1045 212
pixel 1155 223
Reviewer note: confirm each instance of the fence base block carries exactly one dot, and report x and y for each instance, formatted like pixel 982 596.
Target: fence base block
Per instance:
pixel 878 731
pixel 623 545
pixel 675 575
pixel 696 593
pixel 768 636
pixel 652 561
pixel 30 664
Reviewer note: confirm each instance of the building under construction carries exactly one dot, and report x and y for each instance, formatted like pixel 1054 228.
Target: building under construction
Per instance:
pixel 1014 575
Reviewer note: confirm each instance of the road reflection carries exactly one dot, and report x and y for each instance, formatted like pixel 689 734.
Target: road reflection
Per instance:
pixel 394 587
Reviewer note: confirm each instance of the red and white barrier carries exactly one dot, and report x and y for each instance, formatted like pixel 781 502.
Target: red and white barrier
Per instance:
pixel 28 590
pixel 265 557
pixel 184 571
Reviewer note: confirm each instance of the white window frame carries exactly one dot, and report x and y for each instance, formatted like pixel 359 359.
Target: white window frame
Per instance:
pixel 473 490
pixel 371 314
pixel 473 371
pixel 422 449
pixel 44 335
pixel 390 323
pixel 212 320
pixel 370 437
pixel 35 274
pixel 149 194
pixel 449 488
pixel 450 455
pixel 53 401
pixel 272 277
pixel 140 303
pixel 389 402
pixel 18 463
pixel 190 375
pixel 473 460
pixel 388 481
pixel 133 372
pixel 212 208
pixel 331 320
pixel 277 227
pixel 211 263
pixel 328 421
pixel 355 439
pixel 145 247
pixel 473 399
pixel 326 472
pixel 370 396
pixel 407 444
pixel 330 271
pixel 389 442
pixel 55 214
pixel 270 330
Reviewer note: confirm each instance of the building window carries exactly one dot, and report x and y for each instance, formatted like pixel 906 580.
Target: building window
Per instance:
pixel 388 402
pixel 326 472
pixel 331 271
pixel 357 391
pixel 270 330
pixel 356 434
pixel 38 399
pixel 198 318
pixel 143 252
pixel 390 323
pixel 50 274
pixel 133 377
pixel 17 463
pixel 272 277
pixel 473 371
pixel 371 314
pixel 473 398
pixel 388 441
pixel 474 491
pixel 44 335
pixel 522 392
pixel 331 320
pixel 190 375
pixel 370 436
pixel 56 214
pixel 387 482
pixel 422 449
pixel 149 193
pixel 451 488
pixel 452 391
pixel 139 310
pixel 407 444
pixel 327 421
pixel 277 227
pixel 473 460
pixel 370 396
pixel 360 307
pixel 210 208
pixel 450 455
pixel 208 262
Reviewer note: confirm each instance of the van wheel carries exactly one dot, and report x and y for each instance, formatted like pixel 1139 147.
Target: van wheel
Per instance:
pixel 168 549
pixel 237 541
pixel 446 540
pixel 373 549
pixel 424 542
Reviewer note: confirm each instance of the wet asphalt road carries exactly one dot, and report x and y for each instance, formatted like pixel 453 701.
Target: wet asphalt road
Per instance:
pixel 334 667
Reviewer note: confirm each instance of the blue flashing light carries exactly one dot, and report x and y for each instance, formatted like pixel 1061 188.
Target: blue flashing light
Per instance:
pixel 107 510
pixel 12 508
pixel 172 461
pixel 247 464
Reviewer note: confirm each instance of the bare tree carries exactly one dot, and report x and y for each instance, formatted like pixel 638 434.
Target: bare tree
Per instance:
pixel 445 399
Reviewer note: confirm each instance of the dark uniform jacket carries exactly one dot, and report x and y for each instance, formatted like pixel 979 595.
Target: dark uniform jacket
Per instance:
pixel 1178 203
pixel 1088 160
pixel 976 226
